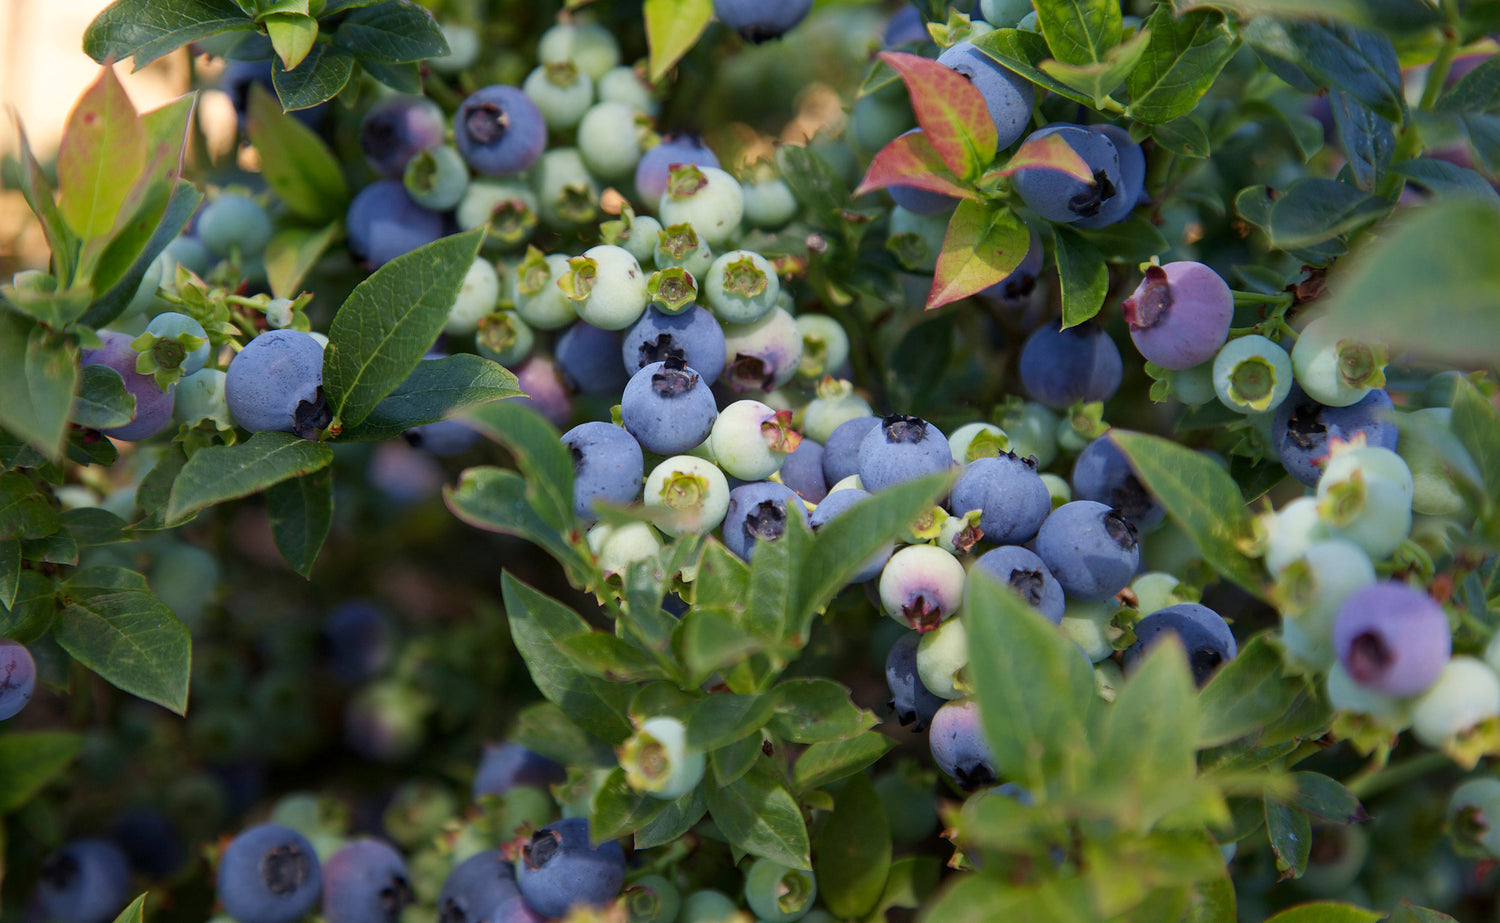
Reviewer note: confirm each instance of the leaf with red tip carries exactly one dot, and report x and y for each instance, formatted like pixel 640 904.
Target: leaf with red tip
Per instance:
pixel 103 150
pixel 951 110
pixel 984 244
pixel 911 160
pixel 1051 152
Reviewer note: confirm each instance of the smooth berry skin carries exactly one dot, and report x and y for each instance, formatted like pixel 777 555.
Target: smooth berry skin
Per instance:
pixel 1008 96
pixel 762 355
pixel 1391 638
pixel 515 910
pixel 567 193
pixel 658 760
pixel 1027 574
pixel 1466 692
pixel 802 471
pixel 694 336
pixel 1365 496
pixel 233 223
pixel 591 46
pixel 836 503
pixel 1059 368
pixel 499 130
pixel 912 703
pixel 384 222
pixel 973 441
pixel 902 449
pixel 559 870
pixel 693 487
pixel 1203 632
pixel 476 886
pixel 477 298
pixel 609 139
pixel 563 93
pixel 841 451
pixel 276 383
pixel 1290 531
pixel 615 295
pixel 269 874
pixel 769 203
pixel 1474 814
pixel 1316 361
pixel 443 438
pixel 1267 361
pixel 589 359
pixel 959 746
pixel 1132 179
pixel 761 20
pixel 151 842
pixel 86 881
pixel 750 440
pixel 623 85
pixel 1092 550
pixel 942 655
pixel 1179 315
pixel 1012 500
pixel 1065 199
pixel 153 406
pixel 1302 428
pixel 437 178
pixel 668 407
pixel 741 287
pixel 365 881
pixel 355 640
pixel 708 198
pixel 921 586
pixel 758 512
pixel 537 297
pixel 655 164
pixel 778 894
pixel 1103 473
pixel 1317 585
pixel 395 129
pixel 607 466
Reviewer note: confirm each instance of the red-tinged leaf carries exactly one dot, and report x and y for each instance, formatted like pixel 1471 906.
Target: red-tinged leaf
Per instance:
pixel 103 149
pixel 985 243
pixel 951 110
pixel 1051 152
pixel 911 161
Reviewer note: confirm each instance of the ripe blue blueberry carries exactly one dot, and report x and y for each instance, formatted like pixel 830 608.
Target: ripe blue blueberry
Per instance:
pixel 269 874
pixel 1065 199
pixel 1392 638
pixel 762 355
pixel 395 129
pixel 1025 573
pixel 1132 179
pixel 234 223
pixel 516 910
pixel 443 438
pixel 902 448
pixel 802 471
pixel 668 407
pixel 1091 549
pixel 906 26
pixel 692 336
pixel 832 506
pixel 1302 428
pixel 1102 473
pixel 656 163
pixel 778 894
pixel 1012 500
pixel 1179 315
pixel 153 406
pixel 1008 96
pixel 589 359
pixel 365 881
pixel 607 466
pixel 151 841
pixel 761 20
pixel 841 451
pixel 1059 368
pixel 355 640
pixel 758 512
pixel 1203 633
pixel 499 130
pixel 276 383
pixel 560 870
pixel 959 746
pixel 476 886
pixel 85 881
pixel 921 585
pixel 383 223
pixel 911 701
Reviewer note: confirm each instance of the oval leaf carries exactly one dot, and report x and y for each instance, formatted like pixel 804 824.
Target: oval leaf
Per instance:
pixel 951 110
pixel 113 625
pixel 910 160
pixel 227 472
pixel 984 244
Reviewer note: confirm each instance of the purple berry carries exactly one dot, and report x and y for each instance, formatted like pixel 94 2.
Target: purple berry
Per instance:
pixel 153 406
pixel 85 881
pixel 694 336
pixel 758 512
pixel 475 887
pixel 959 746
pixel 652 170
pixel 607 466
pixel 1061 197
pixel 1302 428
pixel 1203 633
pixel 384 222
pixel 802 471
pixel 589 359
pixel 560 870
pixel 1179 315
pixel 911 701
pixel 396 129
pixel 1102 473
pixel 506 765
pixel 761 20
pixel 841 451
pixel 1392 638
pixel 499 131
pixel 365 881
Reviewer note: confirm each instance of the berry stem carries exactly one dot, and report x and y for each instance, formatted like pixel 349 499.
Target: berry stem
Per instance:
pixel 1376 777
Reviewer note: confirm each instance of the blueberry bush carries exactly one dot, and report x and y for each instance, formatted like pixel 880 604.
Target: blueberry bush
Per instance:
pixel 703 460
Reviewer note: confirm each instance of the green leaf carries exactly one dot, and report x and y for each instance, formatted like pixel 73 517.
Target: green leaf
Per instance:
pixel 618 809
pixel 29 760
pixel 435 390
pixel 1079 31
pixel 1367 138
pixel 38 376
pixel 1326 912
pixel 148 29
pixel 1361 62
pixel 503 501
pixel 1039 740
pixel 601 654
pixel 182 203
pixel 732 761
pixel 115 626
pixel 403 78
pixel 828 762
pixel 1023 52
pixel 133 913
pixel 389 321
pixel 102 142
pixel 817 710
pixel 538 451
pixel 537 623
pixel 852 850
pixel 1098 80
pixel 92 526
pixel 1181 61
pixel 1239 700
pixel 545 729
pixel 1312 210
pixel 42 199
pixel 672 29
pixel 26 512
pixel 1476 423
pixel 951 111
pixel 1184 136
pixel 1406 913
pixel 321 75
pixel 156 488
pixel 301 512
pixel 57 548
pixel 984 244
pixel 707 640
pixel 677 819
pixel 10 574
pixel 1200 496
pixel 300 168
pixel 1134 240
pixel 1476 91
pixel 1326 798
pixel 293 252
pixel 31 612
pixel 292 35
pixel 1290 833
pixel 1082 275
pixel 102 401
pixel 910 881
pixel 228 472
pixel 1445 179
pixel 393 32
pixel 719 720
pixel 760 817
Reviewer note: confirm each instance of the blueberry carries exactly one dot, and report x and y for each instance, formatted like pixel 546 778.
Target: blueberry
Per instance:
pixel 153 406
pixel 762 355
pixel 477 298
pixel 1365 496
pixel 802 471
pixel 916 240
pixel 607 285
pixel 825 346
pixel 507 207
pixel 610 137
pixel 1132 179
pixel 1032 429
pixel 537 297
pixel 590 45
pixel 617 547
pixel 668 407
pixel 692 336
pixel 652 899
pixel 1025 573
pixel 835 405
pixel 365 881
pixel 1179 315
pixel 396 129
pixel 1252 375
pixel 1302 428
pixel 709 199
pixel 1062 367
pixel 476 886
pixel 658 760
pixel 912 703
pixel 199 397
pixel 1015 290
pixel 1392 639
pixel 356 640
pixel 761 20
pixel 943 659
pixel 607 466
pixel 655 164
pixel 437 179
pixel 902 448
pixel 589 359
pixel 778 894
pixel 769 202
pixel 841 451
pixel 86 881
pixel 1012 500
pixel 1336 370
pixel 758 512
pixel 637 233
pixel 383 223
pixel 906 26
pixel 1092 550
pixel 1466 692
pixel 1103 473
pixel 1060 197
pixel 741 287
pixel 561 92
pixel 624 84
pixel 560 870
pixel 269 874
pixel 1311 590
pixel 276 383
pixel 567 193
pixel 750 440
pixel 959 746
pixel 464 46
pixel 499 130
pixel 693 489
pixel 1474 814
pixel 921 585
pixel 515 910
pixel 709 906
pixel 831 507
pixel 1289 531
pixel 151 841
pixel 171 333
pixel 1008 96
pixel 443 438
pixel 1203 632
pixel 234 223
pixel 1388 713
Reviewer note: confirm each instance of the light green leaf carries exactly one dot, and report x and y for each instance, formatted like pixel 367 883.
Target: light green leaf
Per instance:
pixel 538 451
pixel 292 35
pixel 29 760
pixel 1181 61
pixel 618 809
pixel 1241 698
pixel 10 573
pixel 26 512
pixel 1083 277
pixel 1099 79
pixel 304 173
pixel 115 626
pixel 983 245
pixel 102 143
pixel 102 400
pixel 38 376
pixel 1080 31
pixel 133 913
pixel 1326 912
pixel 672 29
pixel 817 710
pixel 759 816
pixel 293 252
pixel 228 472
pixel 1024 52
pixel 828 762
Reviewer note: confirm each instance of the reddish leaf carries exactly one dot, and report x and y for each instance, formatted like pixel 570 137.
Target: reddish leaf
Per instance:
pixel 951 110
pixel 911 161
pixel 1051 152
pixel 984 244
pixel 103 150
